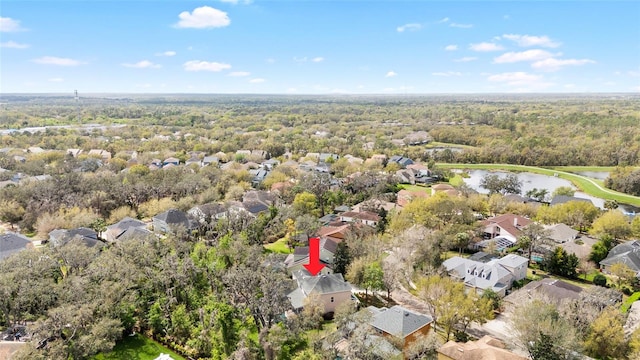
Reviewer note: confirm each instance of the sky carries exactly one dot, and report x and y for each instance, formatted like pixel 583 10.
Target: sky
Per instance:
pixel 319 47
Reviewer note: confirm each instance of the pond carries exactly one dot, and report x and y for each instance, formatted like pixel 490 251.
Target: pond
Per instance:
pixel 539 181
pixel 600 175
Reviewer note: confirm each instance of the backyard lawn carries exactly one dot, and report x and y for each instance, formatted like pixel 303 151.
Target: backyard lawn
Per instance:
pixel 137 347
pixel 279 247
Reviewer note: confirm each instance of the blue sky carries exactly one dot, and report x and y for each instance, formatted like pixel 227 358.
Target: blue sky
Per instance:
pixel 319 47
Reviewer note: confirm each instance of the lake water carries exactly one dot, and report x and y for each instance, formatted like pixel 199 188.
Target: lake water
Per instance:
pixel 600 175
pixel 539 181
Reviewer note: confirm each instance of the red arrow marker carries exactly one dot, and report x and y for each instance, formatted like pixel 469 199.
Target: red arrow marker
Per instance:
pixel 314 266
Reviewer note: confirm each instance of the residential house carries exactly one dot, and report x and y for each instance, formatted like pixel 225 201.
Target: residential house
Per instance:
pixel 374 205
pixel 258 176
pixel 135 233
pixel 331 289
pixel 400 324
pixel 35 150
pixel 170 220
pixel 363 217
pixel 401 160
pixel 203 214
pixel 294 262
pixel 417 138
pixel 549 289
pixel 627 253
pixel 507 226
pixel 486 348
pixel 324 157
pixel 86 236
pixel 113 232
pixel 171 161
pixel 99 153
pixel 210 160
pixel 259 154
pixel 329 219
pixel 157 163
pixel 335 233
pixel 270 164
pixel 193 160
pixel 11 243
pixel 403 197
pixel 482 257
pixel 561 199
pixel 379 158
pixel 444 188
pixel 561 233
pixel 497 275
pixel 580 247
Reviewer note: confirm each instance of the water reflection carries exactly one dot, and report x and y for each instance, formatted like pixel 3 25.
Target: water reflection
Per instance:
pixel 539 181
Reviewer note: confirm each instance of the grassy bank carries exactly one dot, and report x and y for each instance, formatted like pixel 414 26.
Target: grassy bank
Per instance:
pixel 137 347
pixel 589 186
pixel 279 247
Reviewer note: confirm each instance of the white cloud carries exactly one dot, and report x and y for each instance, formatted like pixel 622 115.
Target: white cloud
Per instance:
pixel 167 53
pixel 14 45
pixel 391 74
pixel 461 26
pixel 443 20
pixel 239 73
pixel 569 86
pixel 318 59
pixel 197 65
pixel 451 47
pixel 552 64
pixel 8 24
pixel 447 74
pixel 522 81
pixel 143 64
pixel 257 80
pixel 530 40
pixel 270 60
pixel 292 90
pixel 506 17
pixel 636 88
pixel 409 27
pixel 202 18
pixel 300 59
pixel 514 78
pixel 633 73
pixel 339 91
pixel 52 60
pixel 466 59
pixel 528 55
pixel 56 80
pixel 485 47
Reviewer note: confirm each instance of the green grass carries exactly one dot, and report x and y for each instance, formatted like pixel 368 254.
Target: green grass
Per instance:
pixel 626 305
pixel 279 247
pixel 456 180
pixel 415 188
pixel 589 186
pixel 137 347
pixel 451 145
pixel 583 168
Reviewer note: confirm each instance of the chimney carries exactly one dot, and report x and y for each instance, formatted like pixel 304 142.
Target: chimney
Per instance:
pixel 515 221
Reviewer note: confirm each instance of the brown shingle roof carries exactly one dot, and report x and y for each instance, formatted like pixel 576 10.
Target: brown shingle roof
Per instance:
pixel 487 348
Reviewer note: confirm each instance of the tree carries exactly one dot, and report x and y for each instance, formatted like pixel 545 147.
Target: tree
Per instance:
pixel 11 211
pixel 623 273
pixel 307 225
pixel 509 184
pixel 537 324
pixel 585 267
pixel 537 194
pixel 612 223
pixel 533 235
pixel 305 203
pixel 561 263
pixel 342 258
pixel 373 277
pixel 600 250
pixel 606 339
pixel 563 191
pixel 610 204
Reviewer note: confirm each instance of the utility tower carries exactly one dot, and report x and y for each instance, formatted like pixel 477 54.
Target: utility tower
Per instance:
pixel 77 107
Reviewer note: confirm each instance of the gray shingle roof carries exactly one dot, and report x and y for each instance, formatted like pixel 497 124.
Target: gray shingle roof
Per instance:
pixel 627 253
pixel 173 217
pixel 399 321
pixel 11 243
pixel 324 284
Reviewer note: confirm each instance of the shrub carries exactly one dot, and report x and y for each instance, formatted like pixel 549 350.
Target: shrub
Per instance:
pixel 600 280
